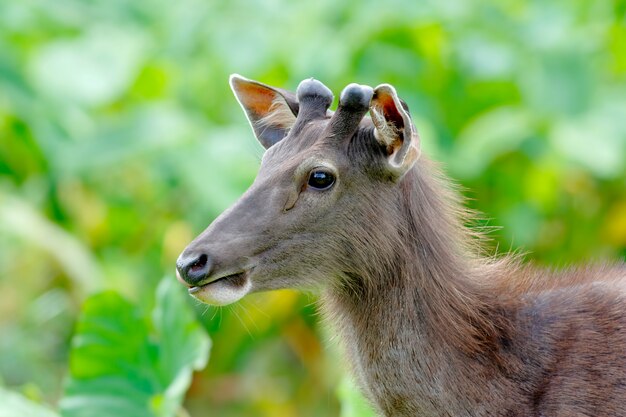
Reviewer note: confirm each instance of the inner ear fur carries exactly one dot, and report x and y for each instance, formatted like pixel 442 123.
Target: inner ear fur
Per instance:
pixel 271 111
pixel 394 129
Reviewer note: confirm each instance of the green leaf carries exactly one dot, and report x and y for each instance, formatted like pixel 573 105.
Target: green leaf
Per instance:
pixel 67 68
pixel 594 141
pixel 127 363
pixel 353 404
pixel 487 137
pixel 184 345
pixel 13 404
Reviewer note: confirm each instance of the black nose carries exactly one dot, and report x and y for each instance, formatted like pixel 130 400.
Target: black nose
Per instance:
pixel 193 268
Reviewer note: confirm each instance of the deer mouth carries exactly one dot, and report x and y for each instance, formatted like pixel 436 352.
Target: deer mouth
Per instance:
pixel 222 290
pixel 234 279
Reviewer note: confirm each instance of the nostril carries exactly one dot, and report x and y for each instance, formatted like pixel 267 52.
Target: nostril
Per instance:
pixel 199 264
pixel 193 269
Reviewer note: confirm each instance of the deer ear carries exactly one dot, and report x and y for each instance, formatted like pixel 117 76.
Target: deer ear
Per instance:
pixel 394 129
pixel 271 111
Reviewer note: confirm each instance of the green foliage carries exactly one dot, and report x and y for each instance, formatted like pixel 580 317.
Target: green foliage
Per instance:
pixel 125 363
pixel 13 404
pixel 353 404
pixel 120 141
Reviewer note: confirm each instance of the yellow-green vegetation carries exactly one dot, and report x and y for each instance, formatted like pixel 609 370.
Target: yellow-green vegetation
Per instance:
pixel 120 140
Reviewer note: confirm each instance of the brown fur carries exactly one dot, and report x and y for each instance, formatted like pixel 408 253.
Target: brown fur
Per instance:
pixel 431 325
pixel 479 336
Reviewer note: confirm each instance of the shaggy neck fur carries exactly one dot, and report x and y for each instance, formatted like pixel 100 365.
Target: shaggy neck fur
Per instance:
pixel 419 310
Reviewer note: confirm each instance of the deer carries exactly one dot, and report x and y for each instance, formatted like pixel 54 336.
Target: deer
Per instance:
pixel 345 204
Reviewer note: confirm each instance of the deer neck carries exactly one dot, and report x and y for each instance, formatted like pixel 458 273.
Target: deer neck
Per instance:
pixel 421 316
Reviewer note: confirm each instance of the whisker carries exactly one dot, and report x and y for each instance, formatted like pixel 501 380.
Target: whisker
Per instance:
pixel 242 322
pixel 257 308
pixel 245 310
pixel 215 310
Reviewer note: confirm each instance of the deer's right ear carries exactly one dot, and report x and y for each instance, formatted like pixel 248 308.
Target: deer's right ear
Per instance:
pixel 271 111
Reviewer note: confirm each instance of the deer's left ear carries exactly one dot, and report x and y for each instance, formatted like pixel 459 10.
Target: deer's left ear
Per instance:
pixel 394 129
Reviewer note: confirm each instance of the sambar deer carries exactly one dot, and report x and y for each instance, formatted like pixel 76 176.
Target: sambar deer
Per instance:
pixel 346 204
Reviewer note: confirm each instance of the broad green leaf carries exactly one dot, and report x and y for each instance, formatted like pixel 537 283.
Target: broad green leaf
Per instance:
pixel 594 141
pixel 489 136
pixel 13 404
pixel 19 218
pixel 127 363
pixel 68 68
pixel 353 404
pixel 184 345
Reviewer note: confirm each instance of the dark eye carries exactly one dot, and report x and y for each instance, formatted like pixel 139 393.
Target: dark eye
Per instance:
pixel 321 180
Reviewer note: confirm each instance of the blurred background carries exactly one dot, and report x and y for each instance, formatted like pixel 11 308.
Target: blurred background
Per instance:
pixel 120 141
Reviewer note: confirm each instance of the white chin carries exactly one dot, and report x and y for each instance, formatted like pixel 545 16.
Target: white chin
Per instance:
pixel 222 292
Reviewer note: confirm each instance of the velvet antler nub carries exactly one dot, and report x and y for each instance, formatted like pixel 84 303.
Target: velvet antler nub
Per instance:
pixel 314 99
pixel 354 102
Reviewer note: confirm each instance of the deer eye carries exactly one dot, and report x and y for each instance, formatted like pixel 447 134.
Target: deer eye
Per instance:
pixel 321 180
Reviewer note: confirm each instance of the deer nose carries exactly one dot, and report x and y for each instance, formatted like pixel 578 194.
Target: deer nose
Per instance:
pixel 193 268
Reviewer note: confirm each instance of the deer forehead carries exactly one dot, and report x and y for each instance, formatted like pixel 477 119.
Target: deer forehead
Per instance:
pixel 311 147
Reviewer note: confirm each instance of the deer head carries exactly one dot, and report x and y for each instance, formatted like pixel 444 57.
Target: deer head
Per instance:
pixel 319 209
